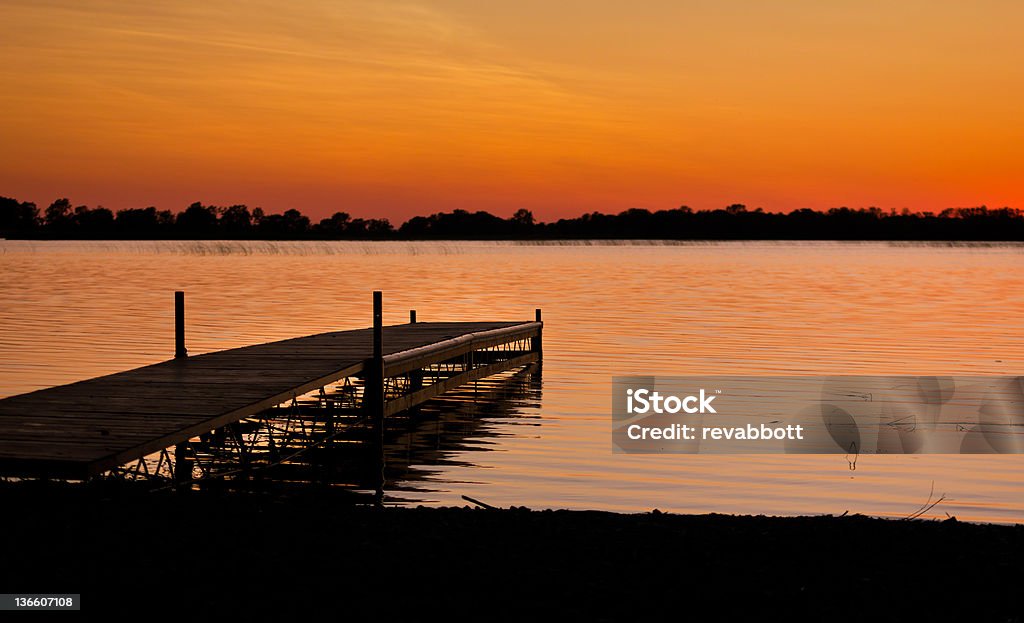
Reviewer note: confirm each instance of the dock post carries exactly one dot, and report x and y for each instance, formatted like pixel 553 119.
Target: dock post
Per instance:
pixel 182 466
pixel 327 463
pixel 536 343
pixel 375 386
pixel 377 363
pixel 415 376
pixel 179 325
pixel 329 420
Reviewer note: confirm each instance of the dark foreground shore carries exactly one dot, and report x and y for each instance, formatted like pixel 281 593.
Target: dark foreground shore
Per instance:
pixel 298 556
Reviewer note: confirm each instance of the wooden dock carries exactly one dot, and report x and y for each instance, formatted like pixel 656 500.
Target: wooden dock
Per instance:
pixel 88 428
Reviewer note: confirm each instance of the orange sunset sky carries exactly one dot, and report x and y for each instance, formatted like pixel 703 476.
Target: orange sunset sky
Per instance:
pixel 391 109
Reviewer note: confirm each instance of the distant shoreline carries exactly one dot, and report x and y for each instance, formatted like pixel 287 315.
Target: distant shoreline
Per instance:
pixel 557 242
pixel 63 221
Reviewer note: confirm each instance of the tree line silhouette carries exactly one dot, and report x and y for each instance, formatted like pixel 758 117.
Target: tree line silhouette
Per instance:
pixel 62 220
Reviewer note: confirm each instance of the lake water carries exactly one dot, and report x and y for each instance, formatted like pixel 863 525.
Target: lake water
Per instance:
pixel 73 310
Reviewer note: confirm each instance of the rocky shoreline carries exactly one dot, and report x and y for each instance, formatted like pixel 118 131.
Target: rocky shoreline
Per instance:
pixel 286 555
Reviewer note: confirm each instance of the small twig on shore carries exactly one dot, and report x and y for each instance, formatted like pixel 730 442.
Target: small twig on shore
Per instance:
pixel 479 503
pixel 928 504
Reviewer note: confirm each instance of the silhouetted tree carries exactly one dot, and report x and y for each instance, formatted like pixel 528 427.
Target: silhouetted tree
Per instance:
pixel 197 221
pixel 523 217
pixel 295 223
pixel 144 223
pixel 236 222
pixel 334 227
pixel 96 223
pixel 291 224
pixel 17 218
pixel 58 215
pixel 522 223
pixel 379 228
pixel 458 224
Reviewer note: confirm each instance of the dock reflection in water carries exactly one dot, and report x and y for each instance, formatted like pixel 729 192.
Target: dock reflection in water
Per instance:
pixel 420 443
pixel 286 447
pixel 442 431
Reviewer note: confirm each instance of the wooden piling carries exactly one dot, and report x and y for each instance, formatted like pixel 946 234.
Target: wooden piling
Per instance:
pixel 375 386
pixel 415 376
pixel 179 325
pixel 182 467
pixel 536 343
pixel 377 359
